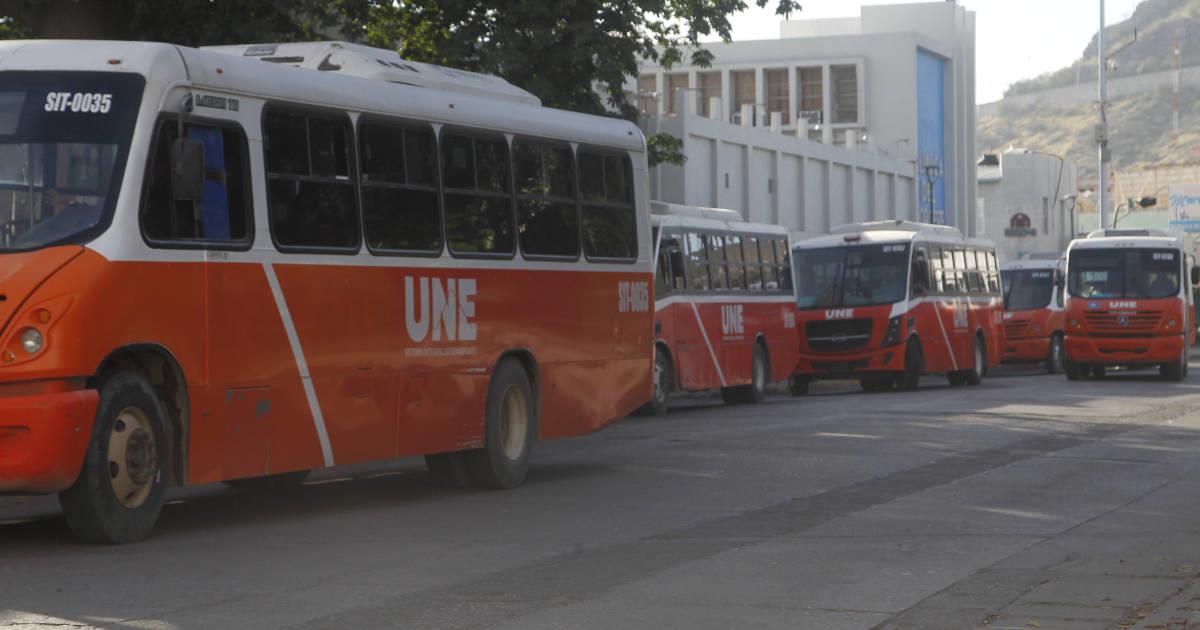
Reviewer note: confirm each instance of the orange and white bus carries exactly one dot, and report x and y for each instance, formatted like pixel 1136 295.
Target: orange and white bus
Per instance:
pixel 1129 303
pixel 887 301
pixel 724 309
pixel 250 262
pixel 1034 318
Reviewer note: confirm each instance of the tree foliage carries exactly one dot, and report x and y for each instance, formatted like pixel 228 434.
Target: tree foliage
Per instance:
pixel 573 54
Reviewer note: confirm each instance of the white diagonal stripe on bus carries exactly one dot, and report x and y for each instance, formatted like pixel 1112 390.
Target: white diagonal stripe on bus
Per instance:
pixel 301 364
pixel 712 353
pixel 942 325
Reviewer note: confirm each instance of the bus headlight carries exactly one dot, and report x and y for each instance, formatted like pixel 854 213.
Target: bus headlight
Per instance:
pixel 894 329
pixel 32 340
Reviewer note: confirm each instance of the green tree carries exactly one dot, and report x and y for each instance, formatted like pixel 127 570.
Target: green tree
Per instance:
pixel 573 54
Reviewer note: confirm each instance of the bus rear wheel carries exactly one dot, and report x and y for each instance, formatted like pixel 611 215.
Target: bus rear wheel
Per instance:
pixel 510 427
pixel 1055 357
pixel 756 391
pixel 914 364
pixel 974 375
pixel 663 385
pixel 119 493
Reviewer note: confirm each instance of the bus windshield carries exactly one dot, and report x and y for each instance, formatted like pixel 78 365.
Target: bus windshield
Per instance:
pixel 1124 273
pixel 1028 289
pixel 64 137
pixel 859 275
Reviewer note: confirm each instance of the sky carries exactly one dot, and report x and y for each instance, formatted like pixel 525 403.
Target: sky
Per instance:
pixel 1015 39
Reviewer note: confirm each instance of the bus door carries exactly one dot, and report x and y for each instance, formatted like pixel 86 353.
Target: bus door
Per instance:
pixel 694 336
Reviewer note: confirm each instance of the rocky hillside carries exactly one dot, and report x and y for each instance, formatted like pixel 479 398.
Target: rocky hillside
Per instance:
pixel 1141 124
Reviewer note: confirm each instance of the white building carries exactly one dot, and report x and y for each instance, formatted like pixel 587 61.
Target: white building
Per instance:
pixel 888 97
pixel 1027 202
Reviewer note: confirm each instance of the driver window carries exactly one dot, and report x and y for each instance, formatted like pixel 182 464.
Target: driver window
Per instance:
pixel 222 214
pixel 919 285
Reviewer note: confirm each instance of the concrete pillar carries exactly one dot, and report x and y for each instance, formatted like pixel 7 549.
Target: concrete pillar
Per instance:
pixel 747 114
pixel 760 97
pixel 726 96
pixel 714 107
pixel 776 122
pixel 826 106
pixel 793 98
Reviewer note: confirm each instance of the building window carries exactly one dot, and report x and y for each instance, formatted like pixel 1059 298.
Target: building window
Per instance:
pixel 743 91
pixel 647 97
pixel 845 93
pixel 675 83
pixel 812 93
pixel 777 93
pixel 710 88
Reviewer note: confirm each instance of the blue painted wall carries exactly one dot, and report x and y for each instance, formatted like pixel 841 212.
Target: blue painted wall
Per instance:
pixel 931 132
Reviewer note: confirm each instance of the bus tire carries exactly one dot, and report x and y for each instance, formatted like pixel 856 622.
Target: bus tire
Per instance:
pixel 276 482
pixel 974 375
pixel 798 385
pixel 1176 370
pixel 449 470
pixel 1055 358
pixel 119 493
pixel 1075 371
pixel 756 391
pixel 956 379
pixel 914 364
pixel 510 426
pixel 663 384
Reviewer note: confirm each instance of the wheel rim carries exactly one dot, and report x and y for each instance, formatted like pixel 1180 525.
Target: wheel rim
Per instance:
pixel 1056 353
pixel 660 391
pixel 132 458
pixel 514 422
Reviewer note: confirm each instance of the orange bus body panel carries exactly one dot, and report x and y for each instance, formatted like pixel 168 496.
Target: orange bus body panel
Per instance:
pixel 381 395
pixel 730 330
pixel 1096 334
pixel 1027 333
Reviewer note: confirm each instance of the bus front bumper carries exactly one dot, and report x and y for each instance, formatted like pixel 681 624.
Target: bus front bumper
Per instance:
pixel 1123 350
pixel 1026 350
pixel 874 362
pixel 43 439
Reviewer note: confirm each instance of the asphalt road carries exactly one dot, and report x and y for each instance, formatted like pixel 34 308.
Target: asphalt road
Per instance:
pixel 1027 502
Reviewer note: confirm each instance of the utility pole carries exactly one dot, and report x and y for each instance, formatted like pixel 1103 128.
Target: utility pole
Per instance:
pixel 1178 79
pixel 1102 128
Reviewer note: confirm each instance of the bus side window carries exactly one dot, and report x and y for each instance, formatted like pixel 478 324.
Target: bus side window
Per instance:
pixel 310 193
pixel 477 197
pixel 222 214
pixel 547 205
pixel 670 275
pixel 770 264
pixel 935 270
pixel 608 215
pixel 949 281
pixel 399 189
pixel 973 275
pixel 716 262
pixel 754 270
pixel 737 267
pixel 697 262
pixel 784 268
pixel 920 274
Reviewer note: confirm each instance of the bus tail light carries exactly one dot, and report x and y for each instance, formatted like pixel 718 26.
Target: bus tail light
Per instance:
pixel 894 330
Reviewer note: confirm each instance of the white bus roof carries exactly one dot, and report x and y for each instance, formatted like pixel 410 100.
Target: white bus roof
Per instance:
pixel 670 214
pixel 452 98
pixel 1094 241
pixel 895 231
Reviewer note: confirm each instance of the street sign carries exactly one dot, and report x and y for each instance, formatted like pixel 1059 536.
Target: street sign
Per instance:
pixel 1183 207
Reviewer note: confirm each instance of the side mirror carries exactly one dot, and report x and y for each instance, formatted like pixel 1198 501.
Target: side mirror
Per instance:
pixel 1059 280
pixel 187 169
pixel 1195 275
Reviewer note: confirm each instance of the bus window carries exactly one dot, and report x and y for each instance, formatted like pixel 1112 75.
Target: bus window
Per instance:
pixel 770 258
pixel 608 215
pixel 935 269
pixel 221 215
pixel 716 262
pixel 310 194
pixel 697 262
pixel 479 212
pixel 949 273
pixel 737 267
pixel 399 194
pixel 670 274
pixel 547 212
pixel 919 275
pixel 754 271
pixel 784 269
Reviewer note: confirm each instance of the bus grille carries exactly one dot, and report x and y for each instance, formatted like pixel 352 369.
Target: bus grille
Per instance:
pixel 838 335
pixel 1136 322
pixel 1015 328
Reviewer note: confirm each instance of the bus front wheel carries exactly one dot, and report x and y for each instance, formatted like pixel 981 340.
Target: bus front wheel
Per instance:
pixel 756 391
pixel 914 364
pixel 119 493
pixel 510 427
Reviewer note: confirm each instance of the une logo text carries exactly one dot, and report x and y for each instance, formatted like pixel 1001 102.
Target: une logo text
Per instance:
pixel 447 305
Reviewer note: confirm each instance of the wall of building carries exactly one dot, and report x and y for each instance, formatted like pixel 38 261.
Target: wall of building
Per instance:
pixel 1032 185
pixel 885 44
pixel 775 178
